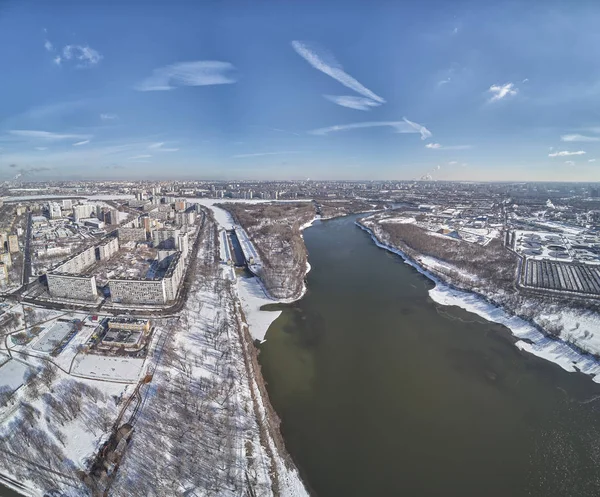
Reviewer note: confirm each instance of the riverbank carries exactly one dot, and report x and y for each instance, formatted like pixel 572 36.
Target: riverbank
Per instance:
pixel 250 296
pixel 530 338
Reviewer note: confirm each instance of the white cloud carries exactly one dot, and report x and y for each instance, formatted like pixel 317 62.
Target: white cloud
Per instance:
pixel 86 55
pixel 196 73
pixel 41 148
pixel 425 133
pixel 46 135
pixel 260 154
pixel 452 163
pixel 569 163
pixel 502 91
pixel 78 144
pixel 159 146
pixel 404 126
pixel 332 69
pixel 358 103
pixel 591 160
pixel 579 138
pixel 108 117
pixel 443 82
pixel 48 46
pixel 437 146
pixel 566 153
pixel 142 156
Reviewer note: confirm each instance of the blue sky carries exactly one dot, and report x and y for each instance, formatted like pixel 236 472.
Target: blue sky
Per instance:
pixel 290 90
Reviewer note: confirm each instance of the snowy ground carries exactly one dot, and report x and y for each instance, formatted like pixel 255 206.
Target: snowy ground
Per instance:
pixel 121 369
pixel 13 374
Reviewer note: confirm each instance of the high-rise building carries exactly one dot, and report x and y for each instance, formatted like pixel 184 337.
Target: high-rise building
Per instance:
pixel 6 259
pixel 13 244
pixel 54 210
pixel 3 274
pixel 82 211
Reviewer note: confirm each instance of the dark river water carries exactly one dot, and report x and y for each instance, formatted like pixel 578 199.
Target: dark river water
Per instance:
pixel 382 392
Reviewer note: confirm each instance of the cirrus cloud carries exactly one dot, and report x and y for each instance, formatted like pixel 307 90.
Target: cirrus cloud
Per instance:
pixel 195 73
pixel 358 103
pixel 579 138
pixel 328 65
pixel 404 126
pixel 565 153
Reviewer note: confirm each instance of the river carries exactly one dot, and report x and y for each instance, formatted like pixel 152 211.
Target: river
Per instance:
pixel 382 392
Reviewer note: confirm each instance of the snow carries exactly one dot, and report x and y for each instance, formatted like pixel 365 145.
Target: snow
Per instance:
pixel 13 374
pixel 51 337
pixel 253 297
pixel 531 339
pixel 124 369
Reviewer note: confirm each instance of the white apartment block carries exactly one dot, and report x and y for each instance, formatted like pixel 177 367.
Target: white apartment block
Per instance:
pixel 72 287
pixel 108 248
pixel 82 211
pixel 165 238
pixel 54 210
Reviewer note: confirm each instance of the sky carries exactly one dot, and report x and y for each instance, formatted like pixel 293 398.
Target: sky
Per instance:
pixel 483 91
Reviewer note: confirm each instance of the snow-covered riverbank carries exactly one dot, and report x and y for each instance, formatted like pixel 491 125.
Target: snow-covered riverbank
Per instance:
pixel 252 297
pixel 251 291
pixel 530 338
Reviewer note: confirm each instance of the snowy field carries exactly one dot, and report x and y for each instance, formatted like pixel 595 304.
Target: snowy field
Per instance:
pixel 125 369
pixel 50 339
pixel 13 374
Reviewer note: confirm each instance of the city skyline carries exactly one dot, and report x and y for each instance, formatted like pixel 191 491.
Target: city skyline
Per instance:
pixel 269 91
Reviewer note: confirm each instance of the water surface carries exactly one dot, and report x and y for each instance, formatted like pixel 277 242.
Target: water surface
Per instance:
pixel 382 392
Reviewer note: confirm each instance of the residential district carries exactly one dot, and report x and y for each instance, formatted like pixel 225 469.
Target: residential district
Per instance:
pixel 95 276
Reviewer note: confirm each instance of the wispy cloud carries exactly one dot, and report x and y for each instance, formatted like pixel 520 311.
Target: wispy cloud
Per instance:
pixel 197 73
pixel 437 146
pixel 358 103
pixel 161 148
pixel 425 133
pixel 47 135
pixel 333 69
pixel 502 91
pixel 452 163
pixel 404 126
pixel 142 156
pixel 108 117
pixel 260 154
pixel 78 144
pixel 579 138
pixel 565 153
pixel 41 148
pixel 443 82
pixel 591 160
pixel 85 55
pixel 48 46
pixel 569 163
